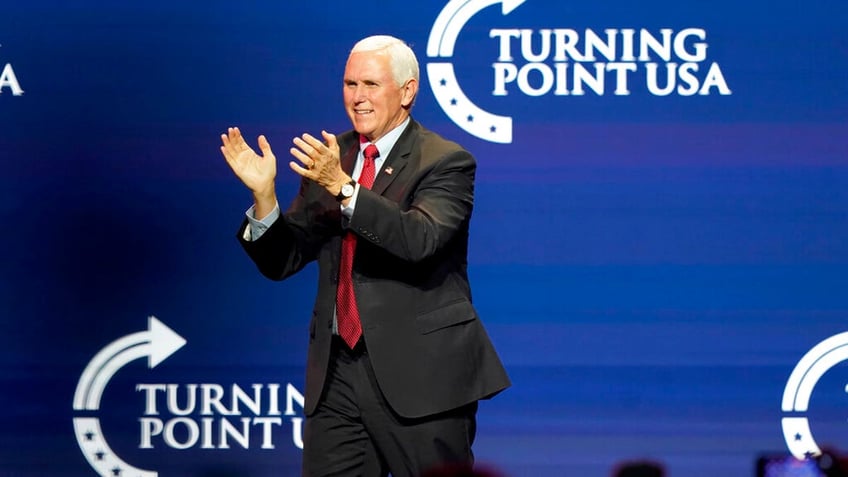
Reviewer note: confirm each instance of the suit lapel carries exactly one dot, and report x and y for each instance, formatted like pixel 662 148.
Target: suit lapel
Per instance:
pixel 397 159
pixel 348 158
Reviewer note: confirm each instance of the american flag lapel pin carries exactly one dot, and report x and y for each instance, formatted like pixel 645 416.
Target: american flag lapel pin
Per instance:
pixel 389 170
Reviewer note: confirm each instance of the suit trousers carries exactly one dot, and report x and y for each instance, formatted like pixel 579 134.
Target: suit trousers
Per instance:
pixel 354 431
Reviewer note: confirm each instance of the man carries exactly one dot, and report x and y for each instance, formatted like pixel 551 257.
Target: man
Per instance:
pixel 397 356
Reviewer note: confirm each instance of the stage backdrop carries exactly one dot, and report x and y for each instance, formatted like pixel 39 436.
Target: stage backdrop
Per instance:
pixel 658 248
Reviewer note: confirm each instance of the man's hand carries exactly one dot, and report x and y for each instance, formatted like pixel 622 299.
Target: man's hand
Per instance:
pixel 319 161
pixel 257 172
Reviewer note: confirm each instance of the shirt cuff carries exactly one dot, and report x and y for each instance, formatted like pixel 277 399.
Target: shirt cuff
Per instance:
pixel 257 227
pixel 347 211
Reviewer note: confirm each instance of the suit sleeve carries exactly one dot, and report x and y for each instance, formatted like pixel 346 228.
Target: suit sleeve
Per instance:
pixel 439 205
pixel 289 243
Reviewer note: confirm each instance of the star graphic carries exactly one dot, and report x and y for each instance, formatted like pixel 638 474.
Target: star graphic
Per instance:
pixel 493 129
pixel 116 471
pixel 443 82
pixel 89 436
pixel 470 118
pixel 809 455
pixel 453 102
pixel 100 455
pixel 798 436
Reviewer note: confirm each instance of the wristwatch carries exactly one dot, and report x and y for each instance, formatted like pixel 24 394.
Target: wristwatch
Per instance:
pixel 347 191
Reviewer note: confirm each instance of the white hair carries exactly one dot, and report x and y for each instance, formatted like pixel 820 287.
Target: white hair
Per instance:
pixel 402 59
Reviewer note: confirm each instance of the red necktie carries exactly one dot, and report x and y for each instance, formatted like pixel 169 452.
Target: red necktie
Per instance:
pixel 347 313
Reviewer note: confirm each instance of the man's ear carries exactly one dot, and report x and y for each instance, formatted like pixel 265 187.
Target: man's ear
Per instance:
pixel 409 91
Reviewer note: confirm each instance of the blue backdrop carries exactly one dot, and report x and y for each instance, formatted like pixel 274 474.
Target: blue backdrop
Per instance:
pixel 651 267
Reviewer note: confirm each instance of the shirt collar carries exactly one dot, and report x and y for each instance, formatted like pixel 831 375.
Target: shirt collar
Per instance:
pixel 387 142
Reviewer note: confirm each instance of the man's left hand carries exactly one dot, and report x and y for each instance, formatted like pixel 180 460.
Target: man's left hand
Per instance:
pixel 319 161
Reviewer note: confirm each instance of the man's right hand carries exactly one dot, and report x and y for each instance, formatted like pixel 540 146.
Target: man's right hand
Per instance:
pixel 257 172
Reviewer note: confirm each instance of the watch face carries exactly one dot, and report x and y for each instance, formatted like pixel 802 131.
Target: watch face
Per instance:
pixel 347 190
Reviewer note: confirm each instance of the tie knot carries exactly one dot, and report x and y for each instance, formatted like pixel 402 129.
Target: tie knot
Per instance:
pixel 371 152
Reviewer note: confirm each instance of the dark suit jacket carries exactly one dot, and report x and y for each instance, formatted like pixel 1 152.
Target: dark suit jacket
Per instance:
pixel 429 350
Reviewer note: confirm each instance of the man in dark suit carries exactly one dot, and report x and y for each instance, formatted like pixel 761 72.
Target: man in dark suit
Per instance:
pixel 397 355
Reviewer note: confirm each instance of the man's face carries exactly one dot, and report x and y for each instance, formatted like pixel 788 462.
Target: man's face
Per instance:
pixel 374 103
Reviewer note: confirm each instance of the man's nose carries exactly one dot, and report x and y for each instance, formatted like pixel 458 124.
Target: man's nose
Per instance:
pixel 359 93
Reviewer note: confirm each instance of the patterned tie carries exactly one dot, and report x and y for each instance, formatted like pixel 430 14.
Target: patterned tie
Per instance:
pixel 347 313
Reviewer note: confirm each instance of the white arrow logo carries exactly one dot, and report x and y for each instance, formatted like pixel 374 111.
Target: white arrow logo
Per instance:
pixel 157 343
pixel 449 95
pixel 799 388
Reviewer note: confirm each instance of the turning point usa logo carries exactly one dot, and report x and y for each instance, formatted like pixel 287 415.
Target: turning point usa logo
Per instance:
pixel 797 395
pixel 566 62
pixel 180 416
pixel 9 81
